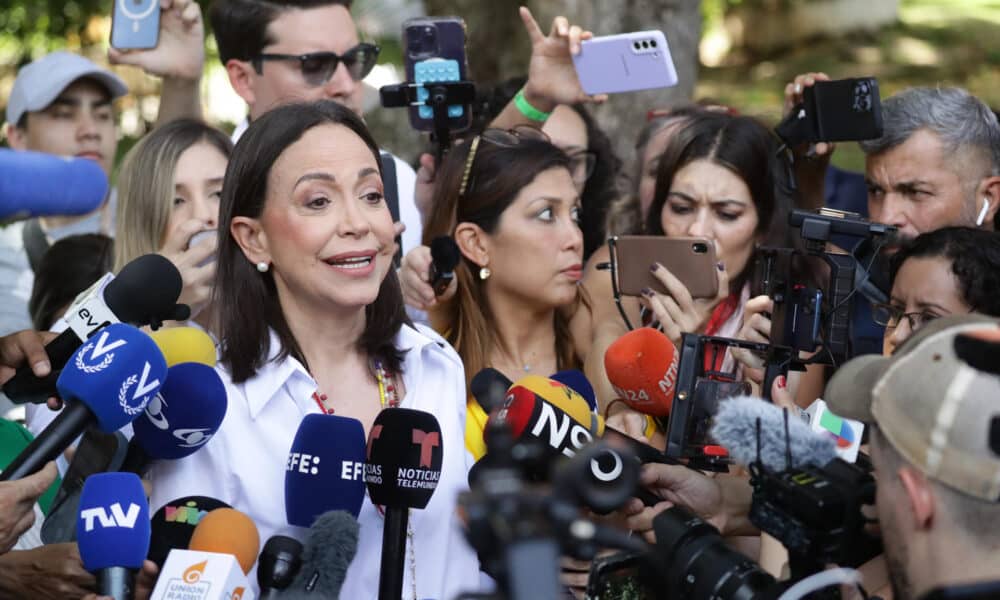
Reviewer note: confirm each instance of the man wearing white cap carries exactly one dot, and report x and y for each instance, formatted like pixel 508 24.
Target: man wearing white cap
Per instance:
pixel 62 104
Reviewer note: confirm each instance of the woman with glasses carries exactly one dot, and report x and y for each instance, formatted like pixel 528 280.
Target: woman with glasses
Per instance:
pixel 311 321
pixel 950 271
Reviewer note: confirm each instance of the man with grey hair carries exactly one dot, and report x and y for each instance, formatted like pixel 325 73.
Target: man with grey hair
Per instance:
pixel 937 163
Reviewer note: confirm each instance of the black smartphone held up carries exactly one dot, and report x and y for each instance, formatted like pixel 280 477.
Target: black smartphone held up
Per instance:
pixel 845 110
pixel 391 191
pixel 434 52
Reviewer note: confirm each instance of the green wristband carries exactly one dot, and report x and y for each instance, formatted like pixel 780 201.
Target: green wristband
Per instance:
pixel 527 109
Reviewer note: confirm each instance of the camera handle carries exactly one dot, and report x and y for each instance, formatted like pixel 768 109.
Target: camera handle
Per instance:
pixel 440 96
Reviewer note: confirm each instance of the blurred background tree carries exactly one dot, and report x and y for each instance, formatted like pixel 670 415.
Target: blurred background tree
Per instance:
pixel 739 52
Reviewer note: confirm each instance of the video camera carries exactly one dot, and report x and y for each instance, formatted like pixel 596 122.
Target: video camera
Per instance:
pixel 521 529
pixel 807 319
pixel 815 512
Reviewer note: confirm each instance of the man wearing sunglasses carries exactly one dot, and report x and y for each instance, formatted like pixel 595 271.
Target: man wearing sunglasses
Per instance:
pixel 302 51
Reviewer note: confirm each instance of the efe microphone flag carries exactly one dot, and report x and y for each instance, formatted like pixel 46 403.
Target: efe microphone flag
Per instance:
pixel 325 468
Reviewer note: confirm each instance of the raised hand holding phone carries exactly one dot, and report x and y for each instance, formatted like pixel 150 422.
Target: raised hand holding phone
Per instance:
pixel 677 311
pixel 170 42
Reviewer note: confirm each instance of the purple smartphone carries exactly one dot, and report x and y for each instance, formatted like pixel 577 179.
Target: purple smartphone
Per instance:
pixel 625 63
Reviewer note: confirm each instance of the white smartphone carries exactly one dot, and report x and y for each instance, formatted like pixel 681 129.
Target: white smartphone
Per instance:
pixel 626 62
pixel 200 238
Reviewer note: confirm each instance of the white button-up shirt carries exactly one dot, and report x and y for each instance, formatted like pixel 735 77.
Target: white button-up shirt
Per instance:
pixel 244 466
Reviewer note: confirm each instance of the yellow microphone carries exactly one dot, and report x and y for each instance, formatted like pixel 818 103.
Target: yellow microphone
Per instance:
pixel 185 344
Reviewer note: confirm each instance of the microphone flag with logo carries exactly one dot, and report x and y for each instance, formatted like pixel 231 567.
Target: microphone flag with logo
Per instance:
pixel 642 367
pixel 113 531
pixel 185 414
pixel 144 292
pixel 107 381
pixel 173 525
pixel 325 469
pixel 405 455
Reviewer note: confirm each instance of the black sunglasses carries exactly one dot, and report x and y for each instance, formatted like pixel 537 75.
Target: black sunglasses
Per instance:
pixel 318 67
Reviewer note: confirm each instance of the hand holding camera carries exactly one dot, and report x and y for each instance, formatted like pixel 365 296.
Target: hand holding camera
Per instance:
pixel 166 40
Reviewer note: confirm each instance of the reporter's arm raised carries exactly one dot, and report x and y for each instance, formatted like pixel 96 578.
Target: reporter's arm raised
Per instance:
pixel 552 78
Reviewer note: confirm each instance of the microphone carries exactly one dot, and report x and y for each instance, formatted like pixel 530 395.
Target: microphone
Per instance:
pixel 185 344
pixel 735 428
pixel 223 549
pixel 173 525
pixel 489 388
pixel 328 552
pixel 113 531
pixel 179 420
pixel 145 292
pixel 405 454
pixel 575 380
pixel 325 468
pixel 108 381
pixel 444 259
pixel 277 565
pixel 642 367
pixel 33 184
pixel 228 531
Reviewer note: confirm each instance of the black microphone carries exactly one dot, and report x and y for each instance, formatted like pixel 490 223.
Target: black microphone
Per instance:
pixel 405 454
pixel 489 388
pixel 108 381
pixel 329 549
pixel 145 292
pixel 278 564
pixel 444 259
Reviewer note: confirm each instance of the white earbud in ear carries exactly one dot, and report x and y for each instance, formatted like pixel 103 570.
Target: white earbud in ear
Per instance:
pixel 982 213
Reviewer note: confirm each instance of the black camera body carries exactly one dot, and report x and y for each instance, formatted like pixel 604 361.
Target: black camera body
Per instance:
pixel 815 512
pixel 844 110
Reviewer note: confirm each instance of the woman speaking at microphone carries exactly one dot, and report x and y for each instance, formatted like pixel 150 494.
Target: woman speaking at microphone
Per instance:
pixel 311 319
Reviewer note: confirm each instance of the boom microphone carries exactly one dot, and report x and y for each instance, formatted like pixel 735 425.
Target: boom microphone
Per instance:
pixel 405 455
pixel 735 428
pixel 642 367
pixel 108 381
pixel 325 468
pixel 113 531
pixel 329 549
pixel 179 420
pixel 145 292
pixel 444 257
pixel 33 184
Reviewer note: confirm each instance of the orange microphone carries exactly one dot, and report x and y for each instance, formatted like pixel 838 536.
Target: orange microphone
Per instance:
pixel 228 531
pixel 642 368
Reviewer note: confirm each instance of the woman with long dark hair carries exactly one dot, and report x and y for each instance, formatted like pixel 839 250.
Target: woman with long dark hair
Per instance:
pixel 311 320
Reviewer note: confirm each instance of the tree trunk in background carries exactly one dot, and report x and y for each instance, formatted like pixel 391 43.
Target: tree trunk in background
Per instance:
pixel 498 47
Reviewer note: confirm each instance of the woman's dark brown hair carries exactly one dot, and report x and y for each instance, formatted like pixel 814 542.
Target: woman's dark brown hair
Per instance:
pixel 744 146
pixel 244 332
pixel 498 174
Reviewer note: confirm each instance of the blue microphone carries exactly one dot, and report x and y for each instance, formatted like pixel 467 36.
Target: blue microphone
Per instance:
pixel 325 469
pixel 33 184
pixel 578 382
pixel 113 530
pixel 179 420
pixel 108 382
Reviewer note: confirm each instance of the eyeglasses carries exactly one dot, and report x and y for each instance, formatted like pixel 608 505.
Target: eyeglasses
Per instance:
pixel 505 138
pixel 582 165
pixel 318 67
pixel 890 316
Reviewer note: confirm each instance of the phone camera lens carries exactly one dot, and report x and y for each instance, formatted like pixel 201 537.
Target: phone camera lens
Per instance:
pixel 652 43
pixel 700 248
pixel 645 44
pixel 636 45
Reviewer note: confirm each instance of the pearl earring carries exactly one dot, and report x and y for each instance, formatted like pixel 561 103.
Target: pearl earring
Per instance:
pixel 263 267
pixel 484 273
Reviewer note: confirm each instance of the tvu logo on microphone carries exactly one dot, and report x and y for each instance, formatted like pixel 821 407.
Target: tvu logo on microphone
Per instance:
pixel 118 517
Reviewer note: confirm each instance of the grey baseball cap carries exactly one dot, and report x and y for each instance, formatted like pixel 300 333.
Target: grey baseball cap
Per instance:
pixel 40 82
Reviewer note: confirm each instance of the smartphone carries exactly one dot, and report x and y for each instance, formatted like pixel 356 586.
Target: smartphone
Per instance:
pixel 135 24
pixel 625 63
pixel 199 238
pixel 390 189
pixel 845 110
pixel 692 260
pixel 434 51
